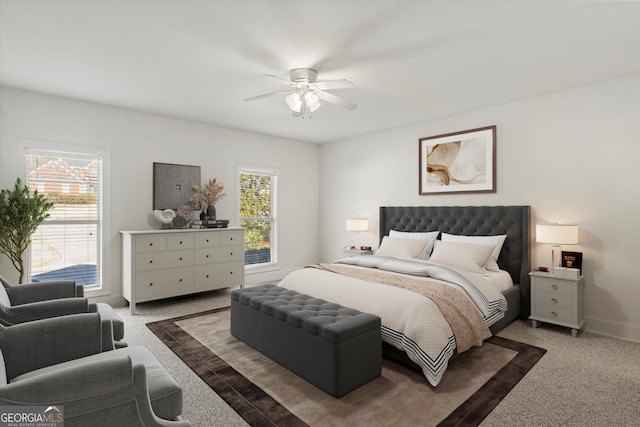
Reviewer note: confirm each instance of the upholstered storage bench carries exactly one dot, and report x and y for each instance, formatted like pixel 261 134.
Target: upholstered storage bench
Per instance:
pixel 337 349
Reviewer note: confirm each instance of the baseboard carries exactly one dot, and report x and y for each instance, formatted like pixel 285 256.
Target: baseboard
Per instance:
pixel 624 331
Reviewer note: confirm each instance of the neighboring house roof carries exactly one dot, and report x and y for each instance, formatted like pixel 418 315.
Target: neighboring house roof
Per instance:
pixel 61 171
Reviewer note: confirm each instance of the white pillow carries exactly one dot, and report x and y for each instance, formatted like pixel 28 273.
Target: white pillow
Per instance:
pixel 495 241
pixel 397 247
pixel 429 236
pixel 465 256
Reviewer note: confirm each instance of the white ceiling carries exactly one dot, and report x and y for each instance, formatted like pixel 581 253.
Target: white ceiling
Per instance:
pixel 410 60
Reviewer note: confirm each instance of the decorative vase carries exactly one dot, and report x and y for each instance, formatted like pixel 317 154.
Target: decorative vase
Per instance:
pixel 211 212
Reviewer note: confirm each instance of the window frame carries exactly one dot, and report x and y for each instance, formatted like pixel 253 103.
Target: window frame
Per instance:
pixel 270 171
pixel 23 146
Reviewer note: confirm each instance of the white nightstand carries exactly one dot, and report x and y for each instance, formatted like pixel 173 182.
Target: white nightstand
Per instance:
pixel 356 252
pixel 557 300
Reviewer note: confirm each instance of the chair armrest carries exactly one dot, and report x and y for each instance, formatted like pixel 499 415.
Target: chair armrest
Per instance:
pixel 42 291
pixel 44 310
pixel 33 345
pixel 91 391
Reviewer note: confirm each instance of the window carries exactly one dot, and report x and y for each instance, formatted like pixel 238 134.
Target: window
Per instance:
pixel 258 215
pixel 68 245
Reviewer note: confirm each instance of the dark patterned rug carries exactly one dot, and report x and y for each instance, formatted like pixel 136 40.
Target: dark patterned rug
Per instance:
pixel 265 394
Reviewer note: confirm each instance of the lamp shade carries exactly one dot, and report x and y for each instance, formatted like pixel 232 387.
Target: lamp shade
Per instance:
pixel 557 234
pixel 357 224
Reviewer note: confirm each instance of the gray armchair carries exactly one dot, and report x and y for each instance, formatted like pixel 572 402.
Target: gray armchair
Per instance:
pixel 34 301
pixel 70 361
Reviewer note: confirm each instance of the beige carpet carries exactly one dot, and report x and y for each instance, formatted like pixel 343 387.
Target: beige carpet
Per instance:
pixel 264 393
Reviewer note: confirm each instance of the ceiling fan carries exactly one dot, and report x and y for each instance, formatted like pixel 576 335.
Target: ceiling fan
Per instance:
pixel 307 92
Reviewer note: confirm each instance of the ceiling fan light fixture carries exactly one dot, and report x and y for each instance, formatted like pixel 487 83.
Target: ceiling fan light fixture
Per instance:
pixel 312 99
pixel 294 101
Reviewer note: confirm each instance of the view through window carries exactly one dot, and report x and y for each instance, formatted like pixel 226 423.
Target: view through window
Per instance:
pixel 258 215
pixel 67 245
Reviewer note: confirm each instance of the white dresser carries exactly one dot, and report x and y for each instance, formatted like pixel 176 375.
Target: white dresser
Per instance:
pixel 160 264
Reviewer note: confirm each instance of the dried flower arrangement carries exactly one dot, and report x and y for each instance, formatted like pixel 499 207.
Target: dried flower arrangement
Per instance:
pixel 209 195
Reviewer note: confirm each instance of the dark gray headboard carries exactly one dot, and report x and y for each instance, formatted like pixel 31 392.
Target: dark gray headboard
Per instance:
pixel 472 221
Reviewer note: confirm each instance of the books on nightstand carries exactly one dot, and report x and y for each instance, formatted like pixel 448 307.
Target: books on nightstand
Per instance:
pixel 210 223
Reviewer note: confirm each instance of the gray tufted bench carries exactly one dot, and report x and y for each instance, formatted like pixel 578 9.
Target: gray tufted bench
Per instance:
pixel 333 347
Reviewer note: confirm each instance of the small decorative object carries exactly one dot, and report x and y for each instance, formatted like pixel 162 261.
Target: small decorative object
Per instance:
pixel 186 212
pixel 164 217
pixel 458 162
pixel 179 222
pixel 21 212
pixel 208 196
pixel 572 260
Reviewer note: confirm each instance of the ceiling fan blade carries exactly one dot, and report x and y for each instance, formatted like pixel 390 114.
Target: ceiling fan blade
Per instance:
pixel 282 79
pixel 336 100
pixel 335 84
pixel 266 95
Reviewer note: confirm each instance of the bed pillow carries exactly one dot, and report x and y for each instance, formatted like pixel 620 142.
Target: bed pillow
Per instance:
pixel 465 256
pixel 429 236
pixel 398 247
pixel 495 241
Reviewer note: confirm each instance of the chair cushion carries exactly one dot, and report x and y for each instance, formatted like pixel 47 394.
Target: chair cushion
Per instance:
pixel 164 392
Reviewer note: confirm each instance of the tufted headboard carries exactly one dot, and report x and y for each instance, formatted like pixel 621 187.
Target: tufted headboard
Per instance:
pixel 472 220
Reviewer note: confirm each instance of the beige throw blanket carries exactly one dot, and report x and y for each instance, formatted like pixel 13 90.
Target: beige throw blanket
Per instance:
pixel 460 312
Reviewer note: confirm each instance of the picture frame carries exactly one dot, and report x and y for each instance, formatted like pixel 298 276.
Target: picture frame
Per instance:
pixel 458 162
pixel 173 185
pixel 571 260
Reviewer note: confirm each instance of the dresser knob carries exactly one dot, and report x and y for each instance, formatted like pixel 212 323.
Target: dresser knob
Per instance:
pixel 231 253
pixel 554 301
pixel 207 276
pixel 150 284
pixel 554 287
pixel 180 258
pixel 180 280
pixel 150 261
pixel 554 314
pixel 207 255
pixel 180 241
pixel 150 244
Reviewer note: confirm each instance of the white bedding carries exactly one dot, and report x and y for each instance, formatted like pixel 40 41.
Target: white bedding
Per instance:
pixel 410 322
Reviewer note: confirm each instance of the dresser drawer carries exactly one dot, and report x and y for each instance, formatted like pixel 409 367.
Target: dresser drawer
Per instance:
pixel 231 238
pixel 162 260
pixel 553 314
pixel 165 283
pixel 207 239
pixel 554 286
pixel 219 254
pixel 180 241
pixel 221 275
pixel 151 243
pixel 554 299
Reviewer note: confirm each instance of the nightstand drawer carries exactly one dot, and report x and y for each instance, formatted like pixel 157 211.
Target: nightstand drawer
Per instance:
pixel 551 313
pixel 554 299
pixel 554 286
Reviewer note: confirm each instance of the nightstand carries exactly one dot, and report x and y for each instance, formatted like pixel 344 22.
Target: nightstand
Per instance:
pixel 557 300
pixel 356 252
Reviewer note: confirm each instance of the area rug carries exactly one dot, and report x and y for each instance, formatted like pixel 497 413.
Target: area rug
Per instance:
pixel 264 393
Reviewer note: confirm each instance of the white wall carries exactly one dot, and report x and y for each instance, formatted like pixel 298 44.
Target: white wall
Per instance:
pixel 573 156
pixel 136 140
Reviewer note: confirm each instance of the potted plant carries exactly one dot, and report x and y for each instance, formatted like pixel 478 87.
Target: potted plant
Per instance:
pixel 21 212
pixel 207 197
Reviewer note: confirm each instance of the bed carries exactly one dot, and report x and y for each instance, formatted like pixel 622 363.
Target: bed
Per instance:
pixel 424 323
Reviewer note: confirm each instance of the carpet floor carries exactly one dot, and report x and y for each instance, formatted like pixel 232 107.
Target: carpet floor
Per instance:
pixel 264 393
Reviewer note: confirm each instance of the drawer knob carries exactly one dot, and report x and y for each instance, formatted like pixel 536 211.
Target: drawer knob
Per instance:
pixel 150 261
pixel 207 240
pixel 180 258
pixel 207 276
pixel 151 284
pixel 554 301
pixel 207 255
pixel 554 314
pixel 231 239
pixel 150 244
pixel 554 287
pixel 180 241
pixel 231 272
pixel 180 280
pixel 230 253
